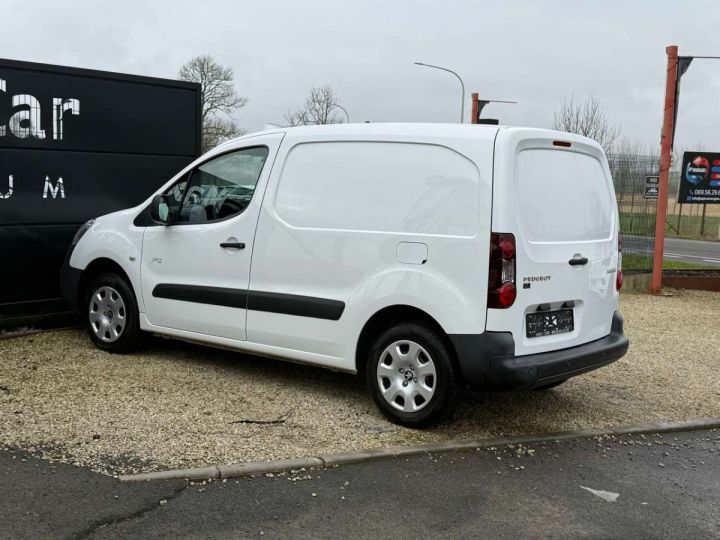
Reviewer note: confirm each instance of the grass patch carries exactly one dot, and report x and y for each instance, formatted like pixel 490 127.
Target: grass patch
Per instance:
pixel 638 262
pixel 639 223
pixel 690 225
pixel 681 265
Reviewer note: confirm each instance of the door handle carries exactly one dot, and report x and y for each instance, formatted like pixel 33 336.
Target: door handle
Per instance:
pixel 232 245
pixel 578 260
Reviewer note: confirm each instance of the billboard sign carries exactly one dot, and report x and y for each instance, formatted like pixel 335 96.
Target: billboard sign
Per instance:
pixel 700 178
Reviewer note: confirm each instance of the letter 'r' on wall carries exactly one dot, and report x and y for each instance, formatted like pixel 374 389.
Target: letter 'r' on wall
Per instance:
pixel 25 123
pixel 3 87
pixel 60 107
pixel 9 192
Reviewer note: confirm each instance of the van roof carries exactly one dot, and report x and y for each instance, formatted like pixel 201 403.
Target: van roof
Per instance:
pixel 412 129
pixel 387 128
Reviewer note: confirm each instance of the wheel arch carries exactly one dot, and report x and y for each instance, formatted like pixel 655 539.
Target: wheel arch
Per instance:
pixel 97 267
pixel 390 316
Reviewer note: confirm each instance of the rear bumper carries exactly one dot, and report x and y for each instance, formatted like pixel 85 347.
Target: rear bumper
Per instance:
pixel 488 360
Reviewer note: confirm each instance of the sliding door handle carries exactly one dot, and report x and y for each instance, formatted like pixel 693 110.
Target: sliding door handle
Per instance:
pixel 232 245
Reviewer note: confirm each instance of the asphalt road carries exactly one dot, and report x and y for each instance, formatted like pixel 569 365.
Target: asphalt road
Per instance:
pixel 659 486
pixel 699 251
pixel 694 251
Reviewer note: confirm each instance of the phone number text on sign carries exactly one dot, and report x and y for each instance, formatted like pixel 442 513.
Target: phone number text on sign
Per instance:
pixel 705 192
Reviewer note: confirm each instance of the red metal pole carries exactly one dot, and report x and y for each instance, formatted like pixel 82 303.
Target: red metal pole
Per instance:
pixel 474 115
pixel 666 144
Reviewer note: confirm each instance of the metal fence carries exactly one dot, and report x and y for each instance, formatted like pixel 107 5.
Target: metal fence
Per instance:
pixel 637 213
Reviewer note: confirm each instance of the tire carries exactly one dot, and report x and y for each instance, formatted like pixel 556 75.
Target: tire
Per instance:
pixel 550 386
pixel 411 375
pixel 111 314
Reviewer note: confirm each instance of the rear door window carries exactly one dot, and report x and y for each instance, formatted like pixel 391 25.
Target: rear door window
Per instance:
pixel 562 196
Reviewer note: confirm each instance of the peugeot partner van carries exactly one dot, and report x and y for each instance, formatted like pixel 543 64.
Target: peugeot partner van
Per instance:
pixel 426 257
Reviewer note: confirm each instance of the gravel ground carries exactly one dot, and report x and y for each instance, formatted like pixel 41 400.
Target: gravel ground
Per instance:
pixel 179 405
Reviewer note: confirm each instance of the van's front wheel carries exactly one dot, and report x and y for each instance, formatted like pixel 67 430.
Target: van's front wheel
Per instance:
pixel 112 314
pixel 411 376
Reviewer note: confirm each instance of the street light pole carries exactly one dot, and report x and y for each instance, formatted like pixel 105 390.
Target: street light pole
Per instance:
pixel 343 110
pixel 462 86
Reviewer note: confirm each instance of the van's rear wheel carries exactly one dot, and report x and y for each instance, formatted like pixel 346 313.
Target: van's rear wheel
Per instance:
pixel 411 376
pixel 112 314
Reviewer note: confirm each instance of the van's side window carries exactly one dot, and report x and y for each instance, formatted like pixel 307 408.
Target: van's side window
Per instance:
pixel 411 188
pixel 222 187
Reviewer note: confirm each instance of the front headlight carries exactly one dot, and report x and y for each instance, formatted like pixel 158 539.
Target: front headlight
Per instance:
pixel 85 227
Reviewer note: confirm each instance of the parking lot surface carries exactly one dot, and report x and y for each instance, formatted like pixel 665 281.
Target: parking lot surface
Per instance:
pixel 175 405
pixel 651 486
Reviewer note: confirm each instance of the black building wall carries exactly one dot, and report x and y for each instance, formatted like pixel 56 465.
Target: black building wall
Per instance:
pixel 111 138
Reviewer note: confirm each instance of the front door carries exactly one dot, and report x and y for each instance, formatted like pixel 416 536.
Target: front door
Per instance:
pixel 195 272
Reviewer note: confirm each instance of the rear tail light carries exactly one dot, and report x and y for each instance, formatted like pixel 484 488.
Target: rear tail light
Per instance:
pixel 619 274
pixel 501 276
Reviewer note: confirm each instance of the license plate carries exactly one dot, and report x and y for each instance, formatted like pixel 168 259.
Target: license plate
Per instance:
pixel 548 323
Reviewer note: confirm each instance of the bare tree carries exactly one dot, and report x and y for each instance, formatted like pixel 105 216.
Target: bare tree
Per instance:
pixel 219 99
pixel 586 118
pixel 627 147
pixel 297 118
pixel 321 107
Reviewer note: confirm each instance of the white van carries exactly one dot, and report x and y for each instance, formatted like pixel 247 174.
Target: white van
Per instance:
pixel 427 257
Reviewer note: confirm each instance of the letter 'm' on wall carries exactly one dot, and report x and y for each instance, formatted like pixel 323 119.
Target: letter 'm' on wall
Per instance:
pixel 58 188
pixel 25 123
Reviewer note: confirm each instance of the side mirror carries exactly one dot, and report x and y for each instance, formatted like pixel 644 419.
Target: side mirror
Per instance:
pixel 160 210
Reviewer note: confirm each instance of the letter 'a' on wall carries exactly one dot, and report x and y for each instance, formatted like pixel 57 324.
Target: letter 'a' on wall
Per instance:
pixel 25 123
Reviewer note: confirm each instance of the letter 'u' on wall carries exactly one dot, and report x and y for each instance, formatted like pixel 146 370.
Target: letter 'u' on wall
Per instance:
pixel 9 192
pixel 25 123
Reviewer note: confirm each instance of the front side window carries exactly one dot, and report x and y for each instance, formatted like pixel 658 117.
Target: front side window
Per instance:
pixel 222 187
pixel 175 194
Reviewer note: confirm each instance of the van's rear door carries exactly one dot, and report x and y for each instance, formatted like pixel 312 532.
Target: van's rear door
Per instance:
pixel 554 192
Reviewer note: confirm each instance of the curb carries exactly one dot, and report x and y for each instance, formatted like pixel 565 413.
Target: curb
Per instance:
pixel 235 470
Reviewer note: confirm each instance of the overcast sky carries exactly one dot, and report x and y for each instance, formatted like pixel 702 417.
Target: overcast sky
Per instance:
pixel 535 52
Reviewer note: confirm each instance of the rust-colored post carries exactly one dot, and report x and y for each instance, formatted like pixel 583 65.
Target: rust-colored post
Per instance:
pixel 666 143
pixel 474 115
